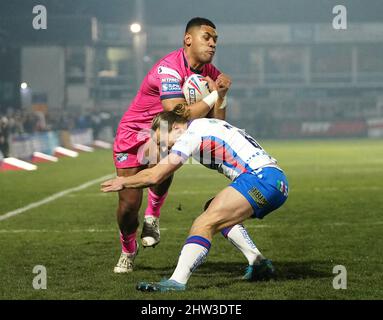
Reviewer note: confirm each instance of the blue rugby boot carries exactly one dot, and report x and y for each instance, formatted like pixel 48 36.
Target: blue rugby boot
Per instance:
pixel 262 271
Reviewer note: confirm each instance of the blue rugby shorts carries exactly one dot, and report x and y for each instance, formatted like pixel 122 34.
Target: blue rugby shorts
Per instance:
pixel 266 189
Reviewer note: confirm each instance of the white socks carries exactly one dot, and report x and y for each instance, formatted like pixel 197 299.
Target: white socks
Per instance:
pixel 196 249
pixel 192 255
pixel 239 237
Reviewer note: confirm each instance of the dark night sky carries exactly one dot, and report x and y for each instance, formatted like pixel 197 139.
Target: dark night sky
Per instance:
pixel 220 11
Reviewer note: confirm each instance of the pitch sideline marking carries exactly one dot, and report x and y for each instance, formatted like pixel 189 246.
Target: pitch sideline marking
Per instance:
pixel 53 197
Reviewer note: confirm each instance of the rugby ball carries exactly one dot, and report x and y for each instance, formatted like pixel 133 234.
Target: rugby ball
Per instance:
pixel 195 88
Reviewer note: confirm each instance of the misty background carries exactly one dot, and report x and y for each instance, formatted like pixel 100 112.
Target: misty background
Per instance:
pixel 294 75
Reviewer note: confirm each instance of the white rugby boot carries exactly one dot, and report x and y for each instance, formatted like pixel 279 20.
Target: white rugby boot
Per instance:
pixel 125 263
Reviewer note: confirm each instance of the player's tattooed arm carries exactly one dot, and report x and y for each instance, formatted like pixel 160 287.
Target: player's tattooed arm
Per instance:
pixel 194 111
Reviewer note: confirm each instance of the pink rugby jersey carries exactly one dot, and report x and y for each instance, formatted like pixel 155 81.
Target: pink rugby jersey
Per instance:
pixel 163 81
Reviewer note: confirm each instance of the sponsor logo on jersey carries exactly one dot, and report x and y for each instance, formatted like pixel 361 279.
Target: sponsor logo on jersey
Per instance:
pixel 171 87
pixel 170 80
pixel 121 157
pixel 258 197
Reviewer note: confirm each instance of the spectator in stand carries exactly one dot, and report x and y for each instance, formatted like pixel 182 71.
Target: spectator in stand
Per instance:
pixel 4 136
pixel 83 121
pixel 30 123
pixel 96 124
pixel 41 124
pixel 16 126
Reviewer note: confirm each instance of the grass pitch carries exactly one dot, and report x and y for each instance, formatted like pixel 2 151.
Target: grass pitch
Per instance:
pixel 333 217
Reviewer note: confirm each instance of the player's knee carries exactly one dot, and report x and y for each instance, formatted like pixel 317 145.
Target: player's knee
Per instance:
pixel 215 218
pixel 207 221
pixel 128 206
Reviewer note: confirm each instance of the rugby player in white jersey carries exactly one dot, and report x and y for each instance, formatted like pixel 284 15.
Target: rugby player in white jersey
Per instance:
pixel 258 187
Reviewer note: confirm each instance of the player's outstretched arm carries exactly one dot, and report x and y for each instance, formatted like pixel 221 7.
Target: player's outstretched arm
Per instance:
pixel 147 177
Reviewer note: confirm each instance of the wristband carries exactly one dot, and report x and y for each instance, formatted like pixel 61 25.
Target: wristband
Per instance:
pixel 211 99
pixel 224 103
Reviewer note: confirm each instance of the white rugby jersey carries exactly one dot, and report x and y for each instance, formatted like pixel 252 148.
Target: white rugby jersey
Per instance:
pixel 218 145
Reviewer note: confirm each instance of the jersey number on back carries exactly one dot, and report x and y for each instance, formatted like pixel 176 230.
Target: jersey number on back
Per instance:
pixel 245 135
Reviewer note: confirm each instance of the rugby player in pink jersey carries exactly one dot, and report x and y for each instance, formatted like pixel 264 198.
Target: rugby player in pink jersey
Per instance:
pixel 161 90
